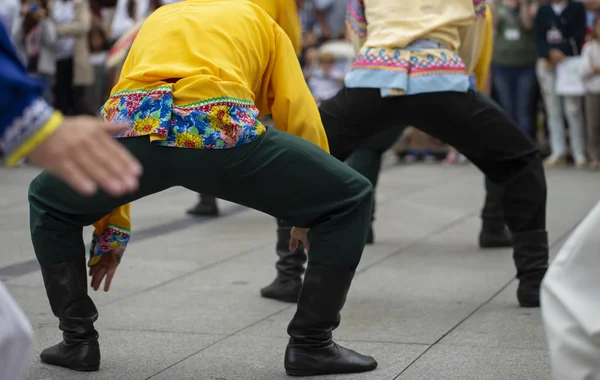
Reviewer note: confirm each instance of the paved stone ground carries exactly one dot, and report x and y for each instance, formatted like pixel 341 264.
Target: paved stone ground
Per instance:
pixel 426 302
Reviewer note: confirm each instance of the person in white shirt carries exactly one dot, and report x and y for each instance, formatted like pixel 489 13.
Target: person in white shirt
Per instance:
pixel 591 76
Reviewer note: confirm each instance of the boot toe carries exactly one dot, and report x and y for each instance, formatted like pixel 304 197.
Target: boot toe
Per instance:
pixel 282 291
pixel 84 356
pixel 528 294
pixel 334 359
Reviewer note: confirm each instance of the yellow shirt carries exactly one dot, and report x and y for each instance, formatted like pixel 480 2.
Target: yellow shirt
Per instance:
pixel 396 24
pixel 285 14
pixel 245 59
pixel 198 75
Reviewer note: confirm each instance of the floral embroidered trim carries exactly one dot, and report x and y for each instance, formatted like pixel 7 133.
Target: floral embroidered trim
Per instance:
pixel 416 62
pixel 112 237
pixel 355 18
pixel 216 123
pixel 24 127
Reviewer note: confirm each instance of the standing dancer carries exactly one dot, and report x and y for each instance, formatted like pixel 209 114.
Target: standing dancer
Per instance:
pixel 197 112
pixel 408 71
pixel 75 149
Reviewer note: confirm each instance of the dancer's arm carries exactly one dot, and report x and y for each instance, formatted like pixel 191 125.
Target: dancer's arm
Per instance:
pixel 482 67
pixel 290 23
pixel 78 150
pixel 285 95
pixel 110 232
pixel 356 23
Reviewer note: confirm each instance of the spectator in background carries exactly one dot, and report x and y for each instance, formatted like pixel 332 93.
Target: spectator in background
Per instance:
pixel 127 14
pixel 591 76
pixel 35 37
pixel 327 79
pixel 559 32
pixel 513 62
pixel 331 16
pixel 9 14
pixel 73 67
pixel 97 92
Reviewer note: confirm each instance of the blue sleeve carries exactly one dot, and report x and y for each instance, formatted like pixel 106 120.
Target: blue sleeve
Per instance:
pixel 540 29
pixel 22 108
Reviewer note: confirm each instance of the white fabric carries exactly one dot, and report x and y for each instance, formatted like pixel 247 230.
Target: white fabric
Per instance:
pixel 569 81
pixel 591 59
pixel 16 336
pixel 63 13
pixel 122 22
pixel 570 299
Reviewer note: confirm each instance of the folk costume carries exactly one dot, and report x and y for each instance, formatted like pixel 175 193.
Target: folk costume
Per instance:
pixel 199 113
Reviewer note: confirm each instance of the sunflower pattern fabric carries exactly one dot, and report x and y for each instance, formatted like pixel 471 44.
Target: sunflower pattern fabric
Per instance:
pixel 217 123
pixel 110 232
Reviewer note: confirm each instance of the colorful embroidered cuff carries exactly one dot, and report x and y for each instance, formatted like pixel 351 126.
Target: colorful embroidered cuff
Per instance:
pixel 111 238
pixel 26 132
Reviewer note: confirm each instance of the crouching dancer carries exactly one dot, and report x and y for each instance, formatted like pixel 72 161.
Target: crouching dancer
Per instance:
pixel 192 87
pixel 408 72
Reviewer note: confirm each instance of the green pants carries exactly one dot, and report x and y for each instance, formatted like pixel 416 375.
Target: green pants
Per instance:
pixel 319 192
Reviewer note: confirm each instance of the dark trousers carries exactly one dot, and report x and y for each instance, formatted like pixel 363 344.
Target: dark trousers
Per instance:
pixel 475 127
pixel 514 87
pixel 321 193
pixel 68 98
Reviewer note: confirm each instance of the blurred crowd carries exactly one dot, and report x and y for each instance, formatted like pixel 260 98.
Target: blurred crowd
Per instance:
pixel 66 43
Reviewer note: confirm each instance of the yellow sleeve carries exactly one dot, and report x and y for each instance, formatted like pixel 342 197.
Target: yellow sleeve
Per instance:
pixel 482 68
pixel 290 23
pixel 285 95
pixel 110 232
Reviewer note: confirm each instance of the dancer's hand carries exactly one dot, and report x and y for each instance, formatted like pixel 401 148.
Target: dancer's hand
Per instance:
pixel 106 267
pixel 298 234
pixel 82 153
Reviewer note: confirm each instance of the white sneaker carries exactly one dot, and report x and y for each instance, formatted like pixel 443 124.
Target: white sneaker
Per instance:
pixel 580 162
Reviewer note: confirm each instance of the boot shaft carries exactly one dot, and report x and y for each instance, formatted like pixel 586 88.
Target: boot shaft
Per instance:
pixel 66 288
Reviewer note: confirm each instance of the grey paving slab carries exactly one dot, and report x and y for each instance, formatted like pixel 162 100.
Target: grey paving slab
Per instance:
pixel 417 295
pixel 500 323
pixel 126 355
pixel 209 301
pixel 261 358
pixel 478 363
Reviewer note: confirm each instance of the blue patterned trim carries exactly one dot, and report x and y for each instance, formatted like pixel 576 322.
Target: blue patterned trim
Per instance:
pixel 423 66
pixel 25 126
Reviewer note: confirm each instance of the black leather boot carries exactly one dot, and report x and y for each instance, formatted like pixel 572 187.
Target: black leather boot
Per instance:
pixel 206 206
pixel 494 233
pixel 290 267
pixel 531 259
pixel 66 287
pixel 311 350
